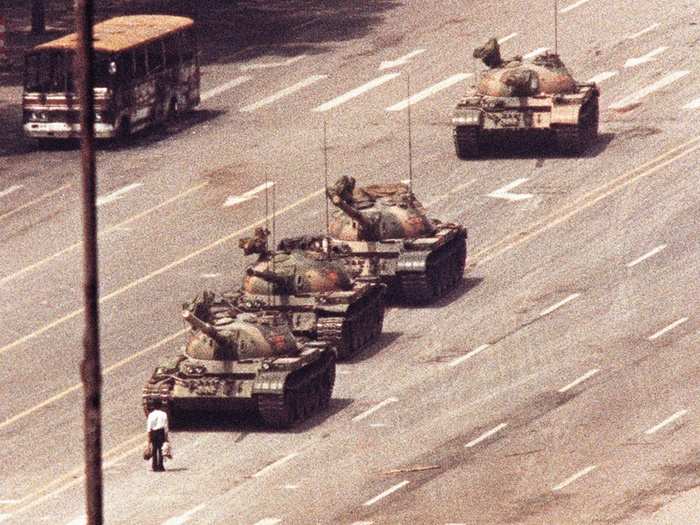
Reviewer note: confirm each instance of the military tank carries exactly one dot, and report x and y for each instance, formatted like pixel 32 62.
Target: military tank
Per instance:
pixel 244 361
pixel 385 235
pixel 516 96
pixel 310 285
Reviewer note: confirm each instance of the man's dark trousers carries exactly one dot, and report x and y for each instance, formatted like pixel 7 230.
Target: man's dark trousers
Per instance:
pixel 157 439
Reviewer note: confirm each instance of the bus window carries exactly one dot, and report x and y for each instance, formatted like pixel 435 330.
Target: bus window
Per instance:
pixel 171 55
pixel 102 76
pixel 48 72
pixel 125 65
pixel 155 56
pixel 139 63
pixel 187 45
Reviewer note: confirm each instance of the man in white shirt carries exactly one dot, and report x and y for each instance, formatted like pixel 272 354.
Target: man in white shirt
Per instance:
pixel 157 428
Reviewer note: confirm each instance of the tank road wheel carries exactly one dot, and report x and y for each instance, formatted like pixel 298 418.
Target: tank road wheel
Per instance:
pixel 466 140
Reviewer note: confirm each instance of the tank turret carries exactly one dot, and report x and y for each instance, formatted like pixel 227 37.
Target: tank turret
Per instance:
pixel 539 96
pixel 242 361
pixel 309 282
pixel 386 236
pixel 377 212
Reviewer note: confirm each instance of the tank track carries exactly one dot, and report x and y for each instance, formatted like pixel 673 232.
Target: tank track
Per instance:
pixel 466 140
pixel 575 139
pixel 355 331
pixel 444 269
pixel 306 393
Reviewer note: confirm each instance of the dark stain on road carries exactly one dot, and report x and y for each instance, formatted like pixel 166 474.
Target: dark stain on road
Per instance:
pixel 637 132
pixel 525 509
pixel 672 480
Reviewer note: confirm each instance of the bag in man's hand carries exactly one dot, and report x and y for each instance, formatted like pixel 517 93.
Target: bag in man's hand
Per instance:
pixel 148 451
pixel 167 450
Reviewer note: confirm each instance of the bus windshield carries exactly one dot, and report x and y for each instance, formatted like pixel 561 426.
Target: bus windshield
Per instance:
pixel 52 72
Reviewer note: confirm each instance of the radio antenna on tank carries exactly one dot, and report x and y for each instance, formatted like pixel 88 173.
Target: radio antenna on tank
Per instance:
pixel 556 27
pixel 325 171
pixel 410 147
pixel 267 228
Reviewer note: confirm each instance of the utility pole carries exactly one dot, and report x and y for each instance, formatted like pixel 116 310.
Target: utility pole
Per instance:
pixel 38 17
pixel 91 373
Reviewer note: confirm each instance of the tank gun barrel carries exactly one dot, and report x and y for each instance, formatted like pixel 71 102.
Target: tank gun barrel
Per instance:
pixel 268 276
pixel 207 329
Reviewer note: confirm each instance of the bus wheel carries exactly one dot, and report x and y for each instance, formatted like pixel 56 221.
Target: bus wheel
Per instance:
pixel 123 130
pixel 174 109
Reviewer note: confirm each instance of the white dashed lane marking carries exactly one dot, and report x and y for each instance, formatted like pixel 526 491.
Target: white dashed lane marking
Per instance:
pixel 506 38
pixel 268 521
pixel 694 104
pixel 486 435
pixel 353 93
pixel 11 189
pixel 573 6
pixel 570 480
pixel 270 65
pixel 233 200
pixel 535 52
pixel 82 520
pixel 667 329
pixel 461 359
pixel 666 422
pixel 505 193
pixel 600 77
pixel 283 93
pixel 646 256
pixel 116 195
pixel 650 56
pixel 386 493
pixel 636 97
pixel 388 64
pixel 376 407
pixel 643 31
pixel 559 304
pixel 427 92
pixel 224 87
pixel 276 464
pixel 578 381
pixel 184 518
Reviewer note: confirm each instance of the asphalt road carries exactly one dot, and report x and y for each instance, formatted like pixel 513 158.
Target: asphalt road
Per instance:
pixel 556 385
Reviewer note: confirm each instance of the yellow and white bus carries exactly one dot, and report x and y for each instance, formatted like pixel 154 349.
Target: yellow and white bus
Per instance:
pixel 146 71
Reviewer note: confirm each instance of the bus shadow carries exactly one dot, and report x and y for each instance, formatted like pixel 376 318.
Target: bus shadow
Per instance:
pixel 163 132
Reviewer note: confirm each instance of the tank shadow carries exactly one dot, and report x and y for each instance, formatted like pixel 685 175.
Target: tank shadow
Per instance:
pixel 457 292
pixel 540 146
pixel 385 339
pixel 249 422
